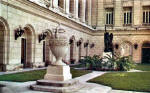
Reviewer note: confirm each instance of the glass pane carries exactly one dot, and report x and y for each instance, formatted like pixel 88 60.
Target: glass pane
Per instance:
pixel 107 18
pixel 124 18
pixel 112 18
pixel 143 17
pixel 146 17
pixel 130 17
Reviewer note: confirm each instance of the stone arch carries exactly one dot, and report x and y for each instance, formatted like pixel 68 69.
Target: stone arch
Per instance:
pixel 145 53
pixel 126 48
pixel 5 33
pixel 28 42
pixel 72 49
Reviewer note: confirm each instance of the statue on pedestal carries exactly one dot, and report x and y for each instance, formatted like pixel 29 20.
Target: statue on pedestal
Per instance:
pixel 108 38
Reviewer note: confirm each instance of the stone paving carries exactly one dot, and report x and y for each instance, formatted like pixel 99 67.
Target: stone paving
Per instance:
pixel 89 76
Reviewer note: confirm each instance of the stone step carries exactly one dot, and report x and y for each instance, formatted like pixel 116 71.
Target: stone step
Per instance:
pixel 69 89
pixel 57 83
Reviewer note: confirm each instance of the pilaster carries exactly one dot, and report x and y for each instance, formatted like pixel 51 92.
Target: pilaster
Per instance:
pixel 137 13
pixel 101 14
pixel 118 11
pixel 76 8
pixel 55 3
pixel 83 10
pixel 67 6
pixel 89 11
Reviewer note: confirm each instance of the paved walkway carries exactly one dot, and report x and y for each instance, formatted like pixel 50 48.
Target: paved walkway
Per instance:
pixel 89 76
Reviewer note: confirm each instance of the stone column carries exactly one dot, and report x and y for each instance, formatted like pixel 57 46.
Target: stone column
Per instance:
pixel 83 6
pixel 101 14
pixel 76 8
pixel 137 15
pixel 89 4
pixel 94 12
pixel 118 12
pixel 67 6
pixel 55 3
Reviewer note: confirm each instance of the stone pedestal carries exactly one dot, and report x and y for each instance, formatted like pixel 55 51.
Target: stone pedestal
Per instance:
pixel 58 79
pixel 106 54
pixel 58 73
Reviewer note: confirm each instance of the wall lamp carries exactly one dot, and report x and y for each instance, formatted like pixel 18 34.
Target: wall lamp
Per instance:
pixel 135 46
pixel 79 43
pixel 86 44
pixel 42 36
pixel 70 41
pixel 92 45
pixel 19 32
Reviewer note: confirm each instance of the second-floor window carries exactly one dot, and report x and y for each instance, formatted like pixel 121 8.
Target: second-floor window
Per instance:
pixel 109 16
pixel 146 15
pixel 127 16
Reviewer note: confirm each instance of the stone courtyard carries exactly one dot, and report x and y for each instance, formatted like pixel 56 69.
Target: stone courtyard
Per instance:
pixel 56 34
pixel 84 30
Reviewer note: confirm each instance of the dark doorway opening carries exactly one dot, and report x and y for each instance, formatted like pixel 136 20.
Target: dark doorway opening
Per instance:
pixel 44 57
pixel 23 52
pixel 2 65
pixel 146 53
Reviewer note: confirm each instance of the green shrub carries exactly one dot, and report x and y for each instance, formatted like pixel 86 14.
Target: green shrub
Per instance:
pixel 114 63
pixel 91 62
pixel 125 63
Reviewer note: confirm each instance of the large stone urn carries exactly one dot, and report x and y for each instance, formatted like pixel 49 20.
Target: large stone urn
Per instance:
pixel 58 78
pixel 58 71
pixel 59 48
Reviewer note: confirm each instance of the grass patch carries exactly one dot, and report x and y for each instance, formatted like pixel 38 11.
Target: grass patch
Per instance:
pixel 24 76
pixel 35 75
pixel 79 66
pixel 77 73
pixel 135 81
pixel 143 67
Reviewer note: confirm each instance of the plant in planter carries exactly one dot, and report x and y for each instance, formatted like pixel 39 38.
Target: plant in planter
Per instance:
pixel 125 63
pixel 111 64
pixel 92 63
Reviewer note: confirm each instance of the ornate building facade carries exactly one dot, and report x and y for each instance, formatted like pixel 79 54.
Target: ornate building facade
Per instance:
pixel 23 23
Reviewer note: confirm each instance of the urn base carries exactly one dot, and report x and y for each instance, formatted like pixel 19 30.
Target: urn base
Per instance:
pixel 58 73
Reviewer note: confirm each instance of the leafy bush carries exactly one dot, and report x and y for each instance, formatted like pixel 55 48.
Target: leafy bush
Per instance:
pixel 121 63
pixel 113 63
pixel 125 63
pixel 91 62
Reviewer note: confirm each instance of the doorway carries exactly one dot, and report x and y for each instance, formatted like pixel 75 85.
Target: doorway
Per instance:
pixel 146 53
pixel 44 57
pixel 2 29
pixel 23 52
